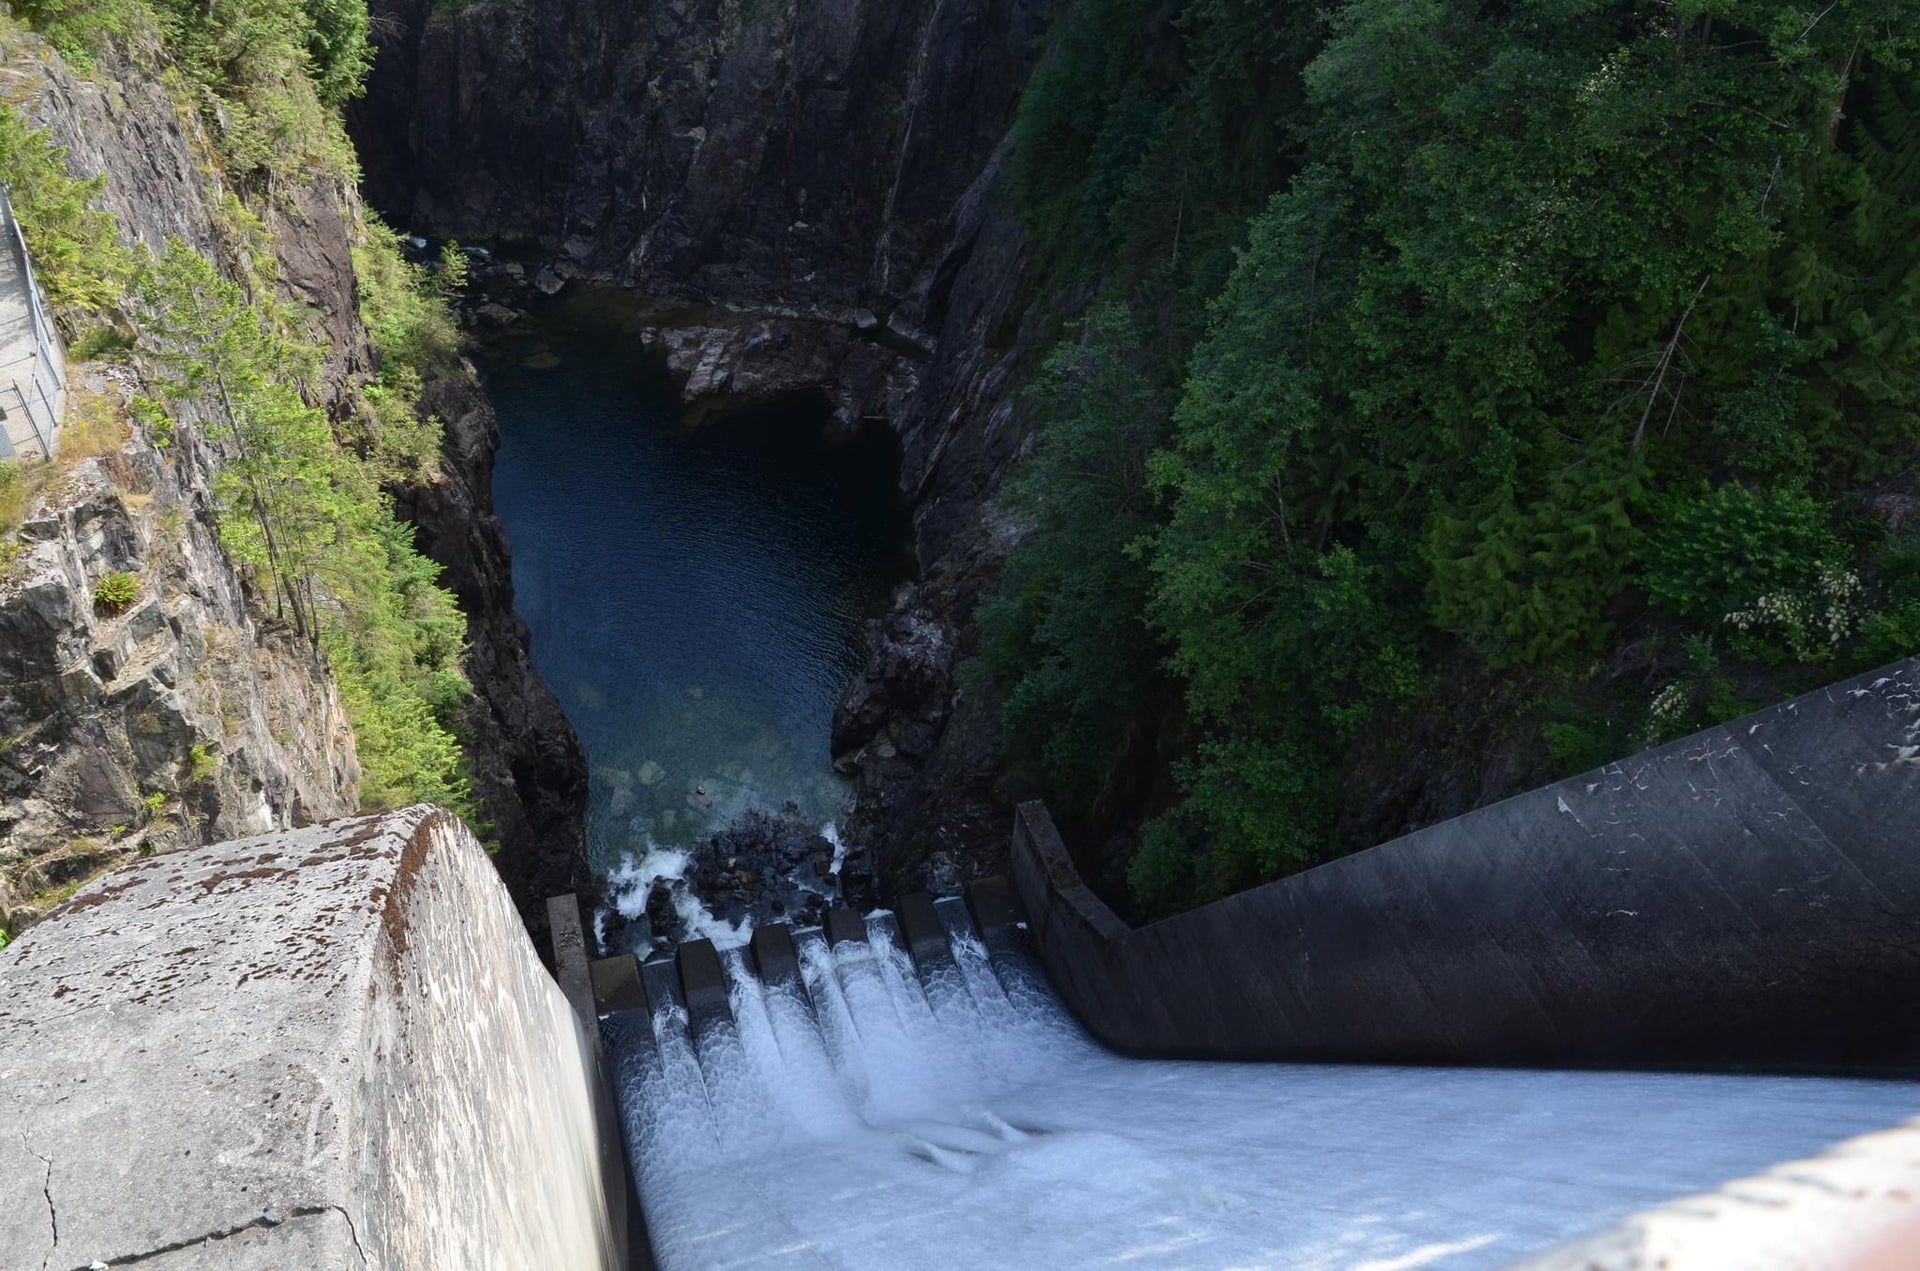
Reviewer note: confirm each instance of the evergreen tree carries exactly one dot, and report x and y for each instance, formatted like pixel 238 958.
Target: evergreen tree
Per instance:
pixel 1563 321
pixel 309 515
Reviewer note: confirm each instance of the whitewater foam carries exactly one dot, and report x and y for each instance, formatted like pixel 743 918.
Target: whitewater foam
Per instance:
pixel 876 1119
pixel 630 884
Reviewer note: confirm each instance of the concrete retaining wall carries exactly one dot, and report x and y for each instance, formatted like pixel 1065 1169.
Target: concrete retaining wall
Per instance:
pixel 1747 896
pixel 331 1047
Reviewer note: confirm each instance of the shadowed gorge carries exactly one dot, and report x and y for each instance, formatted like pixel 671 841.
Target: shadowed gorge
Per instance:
pixel 534 707
pixel 696 593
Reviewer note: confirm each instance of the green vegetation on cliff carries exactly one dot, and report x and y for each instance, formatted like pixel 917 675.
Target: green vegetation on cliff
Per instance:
pixel 411 328
pixel 266 75
pixel 1561 394
pixel 81 262
pixel 300 498
pixel 308 514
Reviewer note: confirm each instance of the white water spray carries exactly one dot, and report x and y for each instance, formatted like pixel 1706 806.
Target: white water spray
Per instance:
pixel 875 1117
pixel 629 886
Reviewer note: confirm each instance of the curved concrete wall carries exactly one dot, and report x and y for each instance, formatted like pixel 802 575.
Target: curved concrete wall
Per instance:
pixel 1747 896
pixel 331 1047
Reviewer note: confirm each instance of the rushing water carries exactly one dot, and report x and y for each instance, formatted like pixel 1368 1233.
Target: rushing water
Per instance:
pixel 695 594
pixel 876 1120
pixel 696 599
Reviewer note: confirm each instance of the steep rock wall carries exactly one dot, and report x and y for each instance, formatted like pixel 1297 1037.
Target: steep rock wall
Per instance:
pixel 87 748
pixel 527 764
pixel 822 185
pixel 176 720
pixel 766 153
pixel 180 719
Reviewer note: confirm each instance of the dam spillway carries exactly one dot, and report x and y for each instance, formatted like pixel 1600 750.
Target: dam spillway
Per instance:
pixel 1482 1037
pixel 335 1047
pixel 874 1111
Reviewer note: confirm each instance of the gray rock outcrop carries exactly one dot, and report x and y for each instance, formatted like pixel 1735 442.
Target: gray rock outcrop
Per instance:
pixel 175 719
pixel 96 709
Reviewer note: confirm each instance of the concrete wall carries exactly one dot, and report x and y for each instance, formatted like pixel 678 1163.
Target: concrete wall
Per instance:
pixel 1747 896
pixel 330 1047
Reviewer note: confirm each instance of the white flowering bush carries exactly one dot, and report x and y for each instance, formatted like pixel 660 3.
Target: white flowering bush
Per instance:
pixel 1812 622
pixel 1668 713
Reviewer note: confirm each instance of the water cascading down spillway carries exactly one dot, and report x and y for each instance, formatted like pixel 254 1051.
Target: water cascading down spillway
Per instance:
pixel 861 1097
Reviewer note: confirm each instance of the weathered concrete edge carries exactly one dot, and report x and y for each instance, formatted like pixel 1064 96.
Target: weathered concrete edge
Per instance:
pixel 1853 1205
pixel 570 953
pixel 704 982
pixel 1751 883
pixel 411 968
pixel 478 1059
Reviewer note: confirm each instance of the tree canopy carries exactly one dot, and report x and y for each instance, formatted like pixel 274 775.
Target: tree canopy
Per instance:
pixel 1570 354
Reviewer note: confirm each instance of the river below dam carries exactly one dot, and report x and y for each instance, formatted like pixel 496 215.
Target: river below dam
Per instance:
pixel 696 594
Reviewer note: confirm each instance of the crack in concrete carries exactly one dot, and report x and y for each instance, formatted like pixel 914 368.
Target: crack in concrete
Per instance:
pixel 263 1222
pixel 46 1190
pixel 353 1231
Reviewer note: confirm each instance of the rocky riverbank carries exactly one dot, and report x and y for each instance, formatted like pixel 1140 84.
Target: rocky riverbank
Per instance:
pixel 766 867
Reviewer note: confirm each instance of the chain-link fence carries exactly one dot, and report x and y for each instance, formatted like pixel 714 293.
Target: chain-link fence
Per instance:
pixel 33 373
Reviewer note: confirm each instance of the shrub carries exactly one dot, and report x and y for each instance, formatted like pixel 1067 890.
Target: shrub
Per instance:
pixel 1064 635
pixel 406 315
pixel 1160 876
pixel 267 77
pixel 115 591
pixel 455 271
pixel 1720 551
pixel 154 416
pixel 16 495
pixel 78 28
pixel 200 765
pixel 11 553
pixel 1811 622
pixel 337 44
pixel 411 329
pixel 76 248
pixel 101 344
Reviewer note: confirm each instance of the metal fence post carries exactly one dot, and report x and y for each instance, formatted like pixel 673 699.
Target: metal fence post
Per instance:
pixel 47 352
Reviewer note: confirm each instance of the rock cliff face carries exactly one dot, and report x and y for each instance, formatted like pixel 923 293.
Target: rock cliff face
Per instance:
pixel 819 184
pixel 180 718
pixel 799 152
pixel 527 765
pixel 171 721
pixel 186 717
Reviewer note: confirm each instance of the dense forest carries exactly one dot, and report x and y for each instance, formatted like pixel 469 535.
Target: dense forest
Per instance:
pixel 1442 389
pixel 1505 386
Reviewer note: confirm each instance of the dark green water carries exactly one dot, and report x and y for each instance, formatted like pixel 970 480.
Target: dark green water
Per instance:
pixel 695 595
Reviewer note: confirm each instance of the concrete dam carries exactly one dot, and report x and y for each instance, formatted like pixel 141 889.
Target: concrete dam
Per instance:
pixel 1661 1014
